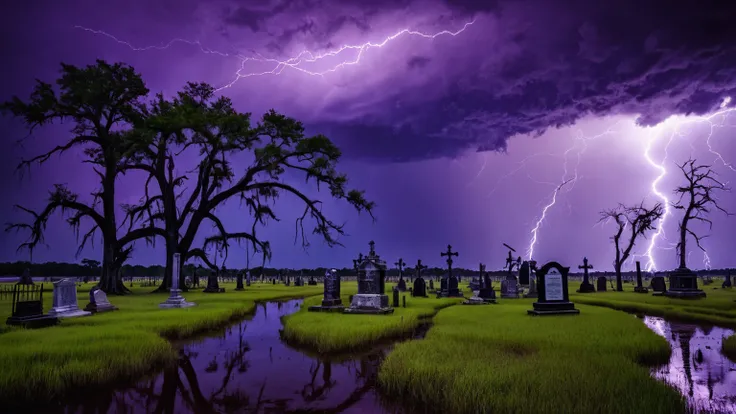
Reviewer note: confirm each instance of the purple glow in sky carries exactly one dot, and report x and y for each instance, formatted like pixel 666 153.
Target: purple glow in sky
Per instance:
pixel 462 138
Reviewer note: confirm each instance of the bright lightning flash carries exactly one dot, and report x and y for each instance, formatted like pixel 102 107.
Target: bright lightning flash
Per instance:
pixel 296 62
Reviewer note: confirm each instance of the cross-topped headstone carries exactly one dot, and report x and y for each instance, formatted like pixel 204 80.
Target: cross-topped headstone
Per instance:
pixel 449 286
pixel 372 252
pixel 449 253
pixel 482 269
pixel 419 267
pixel 586 286
pixel 400 265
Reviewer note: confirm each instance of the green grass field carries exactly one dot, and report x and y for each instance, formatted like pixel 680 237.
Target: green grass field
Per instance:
pixel 337 333
pixel 479 359
pixel 40 365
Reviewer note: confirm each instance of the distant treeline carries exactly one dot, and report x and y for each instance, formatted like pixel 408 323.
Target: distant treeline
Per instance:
pixel 91 268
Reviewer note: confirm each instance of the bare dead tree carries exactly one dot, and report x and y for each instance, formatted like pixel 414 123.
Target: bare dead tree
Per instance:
pixel 697 198
pixel 638 220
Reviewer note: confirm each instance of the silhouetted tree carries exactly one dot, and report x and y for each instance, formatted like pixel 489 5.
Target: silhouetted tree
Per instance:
pixel 638 220
pixel 696 199
pixel 100 100
pixel 196 120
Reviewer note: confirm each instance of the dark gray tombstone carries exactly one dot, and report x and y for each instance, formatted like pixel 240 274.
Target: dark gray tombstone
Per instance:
pixel 65 300
pixel 601 284
pixel 727 283
pixel 239 282
pixel 658 284
pixel 639 288
pixel 525 272
pixel 395 297
pixel 486 291
pixel 213 285
pixel 684 284
pixel 420 286
pixel 553 293
pixel 371 298
pixel 401 285
pixel 331 301
pixel 27 310
pixel 98 301
pixel 509 288
pixel 449 285
pixel 431 285
pixel 586 286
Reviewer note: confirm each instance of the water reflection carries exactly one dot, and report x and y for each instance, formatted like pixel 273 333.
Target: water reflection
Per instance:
pixel 697 368
pixel 248 369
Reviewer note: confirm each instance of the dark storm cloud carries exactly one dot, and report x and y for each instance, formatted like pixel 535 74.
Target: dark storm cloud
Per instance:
pixel 647 58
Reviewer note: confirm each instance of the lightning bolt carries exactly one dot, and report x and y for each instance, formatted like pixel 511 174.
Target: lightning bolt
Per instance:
pixel 296 62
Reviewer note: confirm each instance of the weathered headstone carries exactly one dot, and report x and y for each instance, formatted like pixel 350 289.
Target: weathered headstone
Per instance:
pixel 27 310
pixel 402 283
pixel 26 278
pixel 586 286
pixel 175 299
pixel 552 290
pixel 532 292
pixel 727 283
pixel 601 284
pixel 525 272
pixel 395 292
pixel 419 289
pixel 510 285
pixel 684 284
pixel 486 291
pixel 239 281
pixel 448 288
pixel 639 288
pixel 65 300
pixel 658 284
pixel 213 284
pixel 371 298
pixel 331 301
pixel 431 285
pixel 98 301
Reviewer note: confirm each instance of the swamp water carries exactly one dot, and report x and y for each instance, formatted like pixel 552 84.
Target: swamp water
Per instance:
pixel 248 369
pixel 697 368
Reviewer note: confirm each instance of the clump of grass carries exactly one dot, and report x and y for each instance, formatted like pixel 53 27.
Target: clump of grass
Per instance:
pixel 729 347
pixel 479 359
pixel 716 308
pixel 337 333
pixel 44 364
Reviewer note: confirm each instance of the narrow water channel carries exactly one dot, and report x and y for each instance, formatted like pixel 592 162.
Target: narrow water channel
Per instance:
pixel 697 368
pixel 248 369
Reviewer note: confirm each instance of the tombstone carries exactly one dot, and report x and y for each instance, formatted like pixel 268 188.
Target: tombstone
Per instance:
pixel 395 303
pixel 175 299
pixel 98 301
pixel 525 272
pixel 419 289
pixel 27 308
pixel 311 281
pixel 213 285
pixel 658 285
pixel 65 300
pixel 684 284
pixel 486 291
pixel 553 293
pixel 26 278
pixel 474 284
pixel 402 283
pixel 431 285
pixel 239 282
pixel 586 286
pixel 601 284
pixel 727 283
pixel 331 302
pixel 371 284
pixel 247 278
pixel 448 286
pixel 532 293
pixel 509 288
pixel 639 288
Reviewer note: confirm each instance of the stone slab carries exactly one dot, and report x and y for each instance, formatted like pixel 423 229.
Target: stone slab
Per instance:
pixel 553 312
pixel 74 313
pixel 33 322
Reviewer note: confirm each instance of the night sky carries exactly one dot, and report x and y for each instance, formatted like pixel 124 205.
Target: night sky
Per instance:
pixel 460 139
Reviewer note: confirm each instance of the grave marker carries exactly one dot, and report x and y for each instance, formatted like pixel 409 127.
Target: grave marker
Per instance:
pixel 371 298
pixel 98 301
pixel 331 301
pixel 402 283
pixel 420 286
pixel 65 300
pixel 586 286
pixel 552 290
pixel 601 284
pixel 27 307
pixel 448 286
pixel 639 288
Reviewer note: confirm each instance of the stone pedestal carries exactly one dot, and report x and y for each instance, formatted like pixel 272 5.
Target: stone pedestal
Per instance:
pixel 175 300
pixel 586 287
pixel 369 304
pixel 684 284
pixel 556 308
pixel 477 300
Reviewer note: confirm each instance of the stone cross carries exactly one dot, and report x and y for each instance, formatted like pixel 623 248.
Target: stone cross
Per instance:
pixel 372 252
pixel 510 261
pixel 419 267
pixel 400 264
pixel 449 253
pixel 585 266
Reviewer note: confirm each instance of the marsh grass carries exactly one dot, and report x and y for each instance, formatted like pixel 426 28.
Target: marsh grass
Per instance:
pixel 498 359
pixel 718 307
pixel 44 364
pixel 339 333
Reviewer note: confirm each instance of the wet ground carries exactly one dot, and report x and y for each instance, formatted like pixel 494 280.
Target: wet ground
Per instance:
pixel 248 369
pixel 697 368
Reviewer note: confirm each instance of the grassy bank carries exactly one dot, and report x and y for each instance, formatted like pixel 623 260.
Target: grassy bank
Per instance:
pixel 718 307
pixel 39 365
pixel 335 332
pixel 498 359
pixel 729 347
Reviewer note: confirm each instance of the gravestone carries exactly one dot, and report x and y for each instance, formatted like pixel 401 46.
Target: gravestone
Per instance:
pixel 431 285
pixel 395 303
pixel 419 289
pixel 213 285
pixel 552 290
pixel 402 283
pixel 175 299
pixel 586 286
pixel 658 285
pixel 601 284
pixel 639 288
pixel 331 301
pixel 371 298
pixel 525 272
pixel 486 291
pixel 509 288
pixel 98 301
pixel 532 293
pixel 727 283
pixel 239 282
pixel 65 300
pixel 684 284
pixel 26 278
pixel 27 307
pixel 448 286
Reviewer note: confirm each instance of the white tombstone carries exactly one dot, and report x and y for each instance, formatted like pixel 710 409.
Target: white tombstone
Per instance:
pixel 65 300
pixel 175 299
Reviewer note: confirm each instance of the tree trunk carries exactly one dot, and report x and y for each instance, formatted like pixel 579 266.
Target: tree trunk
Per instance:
pixel 683 237
pixel 619 282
